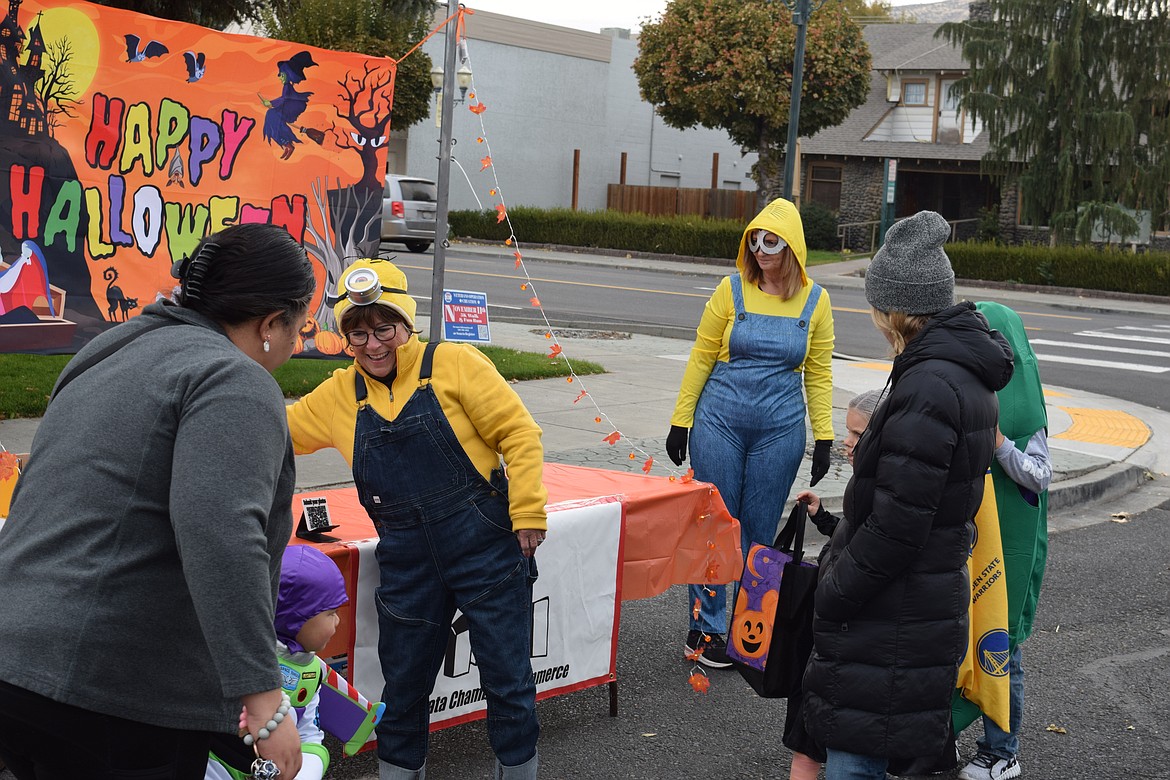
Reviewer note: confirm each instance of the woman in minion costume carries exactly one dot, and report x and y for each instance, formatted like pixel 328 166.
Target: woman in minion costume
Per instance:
pixel 424 428
pixel 766 330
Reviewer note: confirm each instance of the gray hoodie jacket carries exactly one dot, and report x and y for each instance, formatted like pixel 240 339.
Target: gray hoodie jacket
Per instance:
pixel 141 557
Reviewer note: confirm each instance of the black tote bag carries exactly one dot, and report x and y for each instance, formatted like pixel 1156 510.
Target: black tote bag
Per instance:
pixel 771 629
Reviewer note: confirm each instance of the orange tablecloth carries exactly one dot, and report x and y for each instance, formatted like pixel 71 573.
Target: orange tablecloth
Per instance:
pixel 676 532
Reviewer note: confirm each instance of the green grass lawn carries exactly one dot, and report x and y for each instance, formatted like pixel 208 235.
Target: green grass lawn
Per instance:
pixel 821 257
pixel 28 379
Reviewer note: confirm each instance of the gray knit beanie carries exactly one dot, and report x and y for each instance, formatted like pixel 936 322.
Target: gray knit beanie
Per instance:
pixel 911 273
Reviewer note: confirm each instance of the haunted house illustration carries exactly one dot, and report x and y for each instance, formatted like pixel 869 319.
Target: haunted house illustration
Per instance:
pixel 32 310
pixel 19 107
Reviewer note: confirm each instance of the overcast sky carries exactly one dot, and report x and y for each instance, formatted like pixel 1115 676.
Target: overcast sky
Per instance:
pixel 589 15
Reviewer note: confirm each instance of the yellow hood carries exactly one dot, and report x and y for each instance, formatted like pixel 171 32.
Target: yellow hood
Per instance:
pixel 782 218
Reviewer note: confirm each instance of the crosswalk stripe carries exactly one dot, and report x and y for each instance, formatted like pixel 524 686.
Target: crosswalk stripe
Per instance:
pixel 1100 347
pixel 1103 363
pixel 1100 334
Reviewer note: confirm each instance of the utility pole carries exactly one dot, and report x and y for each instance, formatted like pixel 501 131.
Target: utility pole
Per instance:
pixel 443 185
pixel 801 10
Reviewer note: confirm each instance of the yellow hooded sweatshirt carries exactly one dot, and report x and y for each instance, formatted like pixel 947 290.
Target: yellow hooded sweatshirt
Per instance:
pixel 488 418
pixel 714 332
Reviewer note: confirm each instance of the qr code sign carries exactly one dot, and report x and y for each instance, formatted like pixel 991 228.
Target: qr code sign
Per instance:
pixel 316 514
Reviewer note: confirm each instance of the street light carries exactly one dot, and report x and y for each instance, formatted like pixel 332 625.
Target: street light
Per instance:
pixel 462 79
pixel 801 9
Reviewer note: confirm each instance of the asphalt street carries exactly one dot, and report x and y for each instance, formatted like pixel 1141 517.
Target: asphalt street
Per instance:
pixel 1097 669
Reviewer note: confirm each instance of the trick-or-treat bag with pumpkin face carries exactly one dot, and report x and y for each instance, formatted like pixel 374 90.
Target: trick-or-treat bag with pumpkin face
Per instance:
pixel 755 606
pixel 771 628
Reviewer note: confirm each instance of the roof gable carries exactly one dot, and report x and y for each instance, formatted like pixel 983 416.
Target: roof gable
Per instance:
pixel 911 47
pixel 895 47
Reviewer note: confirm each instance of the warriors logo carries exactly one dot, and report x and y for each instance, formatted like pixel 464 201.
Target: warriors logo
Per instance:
pixel 994 652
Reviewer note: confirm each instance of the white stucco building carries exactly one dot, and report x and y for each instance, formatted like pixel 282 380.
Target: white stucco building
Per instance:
pixel 549 91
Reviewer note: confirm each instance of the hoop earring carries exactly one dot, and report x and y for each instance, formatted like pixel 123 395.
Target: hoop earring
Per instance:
pixel 267 346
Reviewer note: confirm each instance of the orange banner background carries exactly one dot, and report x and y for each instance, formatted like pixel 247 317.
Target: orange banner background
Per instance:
pixel 158 134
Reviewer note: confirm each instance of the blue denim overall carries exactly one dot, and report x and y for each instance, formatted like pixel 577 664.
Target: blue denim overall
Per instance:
pixel 748 434
pixel 445 541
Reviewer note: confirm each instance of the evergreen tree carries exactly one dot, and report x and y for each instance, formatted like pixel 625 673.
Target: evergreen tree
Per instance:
pixel 1074 97
pixel 727 64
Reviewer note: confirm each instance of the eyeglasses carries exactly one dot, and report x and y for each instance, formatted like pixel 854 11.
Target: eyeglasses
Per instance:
pixel 383 333
pixel 767 242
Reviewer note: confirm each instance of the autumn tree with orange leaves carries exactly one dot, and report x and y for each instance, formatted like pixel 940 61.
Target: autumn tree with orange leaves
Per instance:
pixel 727 65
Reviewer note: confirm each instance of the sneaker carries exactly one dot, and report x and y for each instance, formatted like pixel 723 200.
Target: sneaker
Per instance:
pixel 988 767
pixel 714 649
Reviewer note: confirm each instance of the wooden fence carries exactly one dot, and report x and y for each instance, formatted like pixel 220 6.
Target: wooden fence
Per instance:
pixel 739 205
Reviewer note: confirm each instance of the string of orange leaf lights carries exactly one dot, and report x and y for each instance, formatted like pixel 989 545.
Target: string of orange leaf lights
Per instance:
pixel 698 678
pixel 556 349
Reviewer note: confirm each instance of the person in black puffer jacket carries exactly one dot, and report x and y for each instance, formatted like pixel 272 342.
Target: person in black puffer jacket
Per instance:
pixel 891 606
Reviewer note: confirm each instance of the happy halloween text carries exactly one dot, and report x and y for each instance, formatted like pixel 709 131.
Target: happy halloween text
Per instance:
pixel 117 218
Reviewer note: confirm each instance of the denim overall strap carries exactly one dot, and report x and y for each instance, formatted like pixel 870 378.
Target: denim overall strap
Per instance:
pixel 749 434
pixel 413 467
pixel 445 543
pixel 762 372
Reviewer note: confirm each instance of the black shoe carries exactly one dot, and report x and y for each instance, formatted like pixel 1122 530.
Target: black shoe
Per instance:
pixel 714 647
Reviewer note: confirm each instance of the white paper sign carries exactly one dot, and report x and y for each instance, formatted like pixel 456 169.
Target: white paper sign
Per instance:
pixel 575 609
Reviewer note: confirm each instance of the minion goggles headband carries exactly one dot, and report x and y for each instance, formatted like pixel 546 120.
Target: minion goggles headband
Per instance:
pixel 767 242
pixel 362 287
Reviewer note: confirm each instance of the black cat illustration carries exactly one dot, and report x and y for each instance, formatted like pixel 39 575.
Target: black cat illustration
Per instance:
pixel 115 298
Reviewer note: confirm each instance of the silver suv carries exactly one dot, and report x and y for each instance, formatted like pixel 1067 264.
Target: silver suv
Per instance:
pixel 408 211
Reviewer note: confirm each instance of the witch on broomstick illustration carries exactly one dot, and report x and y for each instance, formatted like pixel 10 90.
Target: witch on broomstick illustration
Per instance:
pixel 287 108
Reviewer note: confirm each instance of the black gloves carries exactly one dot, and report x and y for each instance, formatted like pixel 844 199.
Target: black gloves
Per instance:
pixel 676 444
pixel 820 460
pixel 676 450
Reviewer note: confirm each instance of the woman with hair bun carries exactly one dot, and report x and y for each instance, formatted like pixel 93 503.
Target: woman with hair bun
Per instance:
pixel 141 555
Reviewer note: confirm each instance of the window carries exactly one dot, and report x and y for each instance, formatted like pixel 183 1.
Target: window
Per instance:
pixel 824 186
pixel 914 93
pixel 419 190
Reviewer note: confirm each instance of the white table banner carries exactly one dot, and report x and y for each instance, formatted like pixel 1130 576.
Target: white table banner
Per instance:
pixel 575 616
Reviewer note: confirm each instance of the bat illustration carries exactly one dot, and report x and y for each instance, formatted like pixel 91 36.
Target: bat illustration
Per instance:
pixel 134 54
pixel 175 171
pixel 195 67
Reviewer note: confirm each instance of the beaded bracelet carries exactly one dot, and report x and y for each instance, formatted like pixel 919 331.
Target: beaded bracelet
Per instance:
pixel 269 727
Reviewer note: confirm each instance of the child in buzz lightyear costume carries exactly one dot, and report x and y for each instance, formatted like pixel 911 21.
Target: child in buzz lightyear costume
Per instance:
pixel 311 590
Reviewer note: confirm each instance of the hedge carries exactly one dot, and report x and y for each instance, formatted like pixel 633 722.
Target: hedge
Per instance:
pixel 1086 268
pixel 1091 268
pixel 684 235
pixel 693 236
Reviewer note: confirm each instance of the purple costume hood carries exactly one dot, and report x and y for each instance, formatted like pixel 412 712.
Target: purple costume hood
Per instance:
pixel 310 584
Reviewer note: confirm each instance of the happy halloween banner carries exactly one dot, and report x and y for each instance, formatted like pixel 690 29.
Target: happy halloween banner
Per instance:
pixel 124 139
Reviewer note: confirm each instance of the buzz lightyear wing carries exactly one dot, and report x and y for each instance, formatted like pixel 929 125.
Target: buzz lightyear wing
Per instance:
pixel 344 712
